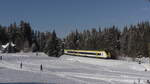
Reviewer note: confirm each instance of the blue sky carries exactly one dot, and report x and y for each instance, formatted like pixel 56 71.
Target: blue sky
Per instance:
pixel 67 15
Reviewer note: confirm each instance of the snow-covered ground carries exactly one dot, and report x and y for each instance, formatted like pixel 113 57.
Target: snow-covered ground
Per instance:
pixel 70 70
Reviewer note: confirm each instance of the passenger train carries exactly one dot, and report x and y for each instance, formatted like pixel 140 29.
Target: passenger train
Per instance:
pixel 88 53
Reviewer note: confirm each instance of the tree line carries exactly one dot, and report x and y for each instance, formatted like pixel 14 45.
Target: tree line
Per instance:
pixel 132 41
pixel 26 39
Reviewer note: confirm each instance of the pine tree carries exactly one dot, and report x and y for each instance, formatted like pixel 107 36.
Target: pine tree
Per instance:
pixel 26 32
pixel 52 46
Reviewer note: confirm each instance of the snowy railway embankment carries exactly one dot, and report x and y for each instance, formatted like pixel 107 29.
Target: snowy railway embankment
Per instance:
pixel 70 70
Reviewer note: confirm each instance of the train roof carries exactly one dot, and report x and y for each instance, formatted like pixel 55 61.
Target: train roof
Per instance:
pixel 86 50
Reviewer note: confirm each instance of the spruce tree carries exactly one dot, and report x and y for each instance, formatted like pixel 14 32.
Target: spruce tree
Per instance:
pixel 52 45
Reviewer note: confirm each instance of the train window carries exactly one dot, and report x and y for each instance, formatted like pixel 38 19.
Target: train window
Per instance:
pixel 87 53
pixel 71 52
pixel 98 53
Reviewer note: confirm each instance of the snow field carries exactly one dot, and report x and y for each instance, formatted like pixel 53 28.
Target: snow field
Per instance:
pixel 71 70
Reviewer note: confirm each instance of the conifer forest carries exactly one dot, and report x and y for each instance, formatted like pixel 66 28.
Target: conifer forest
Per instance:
pixel 131 41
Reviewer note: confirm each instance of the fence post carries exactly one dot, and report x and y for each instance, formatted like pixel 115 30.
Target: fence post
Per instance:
pixel 1 58
pixel 21 65
pixel 41 67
